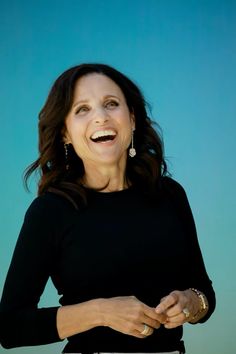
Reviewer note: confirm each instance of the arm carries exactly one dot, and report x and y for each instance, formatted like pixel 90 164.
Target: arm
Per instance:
pixel 21 321
pixel 183 306
pixel 195 273
pixel 124 314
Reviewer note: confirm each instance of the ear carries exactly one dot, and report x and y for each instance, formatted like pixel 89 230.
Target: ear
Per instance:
pixel 65 136
pixel 132 117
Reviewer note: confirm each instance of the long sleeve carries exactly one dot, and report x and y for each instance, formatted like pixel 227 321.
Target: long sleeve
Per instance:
pixel 22 323
pixel 120 229
pixel 196 273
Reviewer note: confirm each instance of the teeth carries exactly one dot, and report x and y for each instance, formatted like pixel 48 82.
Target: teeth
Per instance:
pixel 101 133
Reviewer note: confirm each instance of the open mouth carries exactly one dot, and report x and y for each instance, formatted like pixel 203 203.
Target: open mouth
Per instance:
pixel 103 136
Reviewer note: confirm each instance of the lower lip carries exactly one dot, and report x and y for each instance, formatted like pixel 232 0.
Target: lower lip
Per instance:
pixel 109 142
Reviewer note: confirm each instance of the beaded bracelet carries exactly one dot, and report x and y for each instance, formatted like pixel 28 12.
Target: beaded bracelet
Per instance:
pixel 203 303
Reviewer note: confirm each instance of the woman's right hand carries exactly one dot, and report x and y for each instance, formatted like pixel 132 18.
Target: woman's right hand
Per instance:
pixel 128 315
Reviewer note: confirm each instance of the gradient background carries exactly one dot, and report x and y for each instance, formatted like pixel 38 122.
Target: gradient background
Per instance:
pixel 183 55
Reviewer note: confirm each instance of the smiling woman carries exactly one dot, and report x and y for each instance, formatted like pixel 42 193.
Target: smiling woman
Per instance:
pixel 114 233
pixel 99 126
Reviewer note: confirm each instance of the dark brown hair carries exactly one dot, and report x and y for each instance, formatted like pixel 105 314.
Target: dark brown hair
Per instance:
pixel 142 171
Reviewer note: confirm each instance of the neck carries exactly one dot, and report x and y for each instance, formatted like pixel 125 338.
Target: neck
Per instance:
pixel 113 177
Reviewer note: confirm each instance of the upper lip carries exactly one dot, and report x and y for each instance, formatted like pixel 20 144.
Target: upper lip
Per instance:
pixel 103 132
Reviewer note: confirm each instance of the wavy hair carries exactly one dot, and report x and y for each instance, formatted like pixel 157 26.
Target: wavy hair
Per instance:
pixel 142 171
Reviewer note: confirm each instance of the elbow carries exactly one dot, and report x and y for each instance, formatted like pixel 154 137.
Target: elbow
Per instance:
pixel 6 344
pixel 5 341
pixel 8 333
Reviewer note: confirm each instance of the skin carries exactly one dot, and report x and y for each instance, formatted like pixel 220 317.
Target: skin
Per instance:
pixel 99 104
pixel 173 304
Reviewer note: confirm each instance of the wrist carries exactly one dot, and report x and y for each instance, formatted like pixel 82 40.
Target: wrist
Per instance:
pixel 202 306
pixel 103 311
pixel 98 308
pixel 77 318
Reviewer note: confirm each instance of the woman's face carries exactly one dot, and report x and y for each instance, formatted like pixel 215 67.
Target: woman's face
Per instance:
pixel 99 124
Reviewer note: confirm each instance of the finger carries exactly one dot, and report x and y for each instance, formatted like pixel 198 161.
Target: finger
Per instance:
pixel 170 325
pixel 174 310
pixel 162 299
pixel 175 321
pixel 148 317
pixel 138 334
pixel 180 318
pixel 161 318
pixel 150 312
pixel 151 323
pixel 144 329
pixel 168 301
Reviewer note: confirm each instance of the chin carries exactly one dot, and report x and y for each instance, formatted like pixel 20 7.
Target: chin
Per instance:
pixel 110 160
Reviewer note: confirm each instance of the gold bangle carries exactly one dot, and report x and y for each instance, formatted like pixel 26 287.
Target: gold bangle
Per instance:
pixel 203 303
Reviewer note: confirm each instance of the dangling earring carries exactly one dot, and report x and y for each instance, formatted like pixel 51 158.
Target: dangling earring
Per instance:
pixel 66 148
pixel 132 151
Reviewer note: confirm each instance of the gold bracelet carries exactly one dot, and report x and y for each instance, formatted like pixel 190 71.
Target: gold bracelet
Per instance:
pixel 203 303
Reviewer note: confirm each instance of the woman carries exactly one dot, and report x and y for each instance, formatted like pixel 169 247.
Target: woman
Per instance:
pixel 114 233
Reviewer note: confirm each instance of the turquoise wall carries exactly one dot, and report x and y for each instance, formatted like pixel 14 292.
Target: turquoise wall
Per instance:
pixel 183 55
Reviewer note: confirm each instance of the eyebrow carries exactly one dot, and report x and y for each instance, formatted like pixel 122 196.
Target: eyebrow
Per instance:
pixel 86 100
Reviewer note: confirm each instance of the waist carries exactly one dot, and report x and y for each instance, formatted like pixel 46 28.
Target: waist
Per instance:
pixel 105 340
pixel 173 352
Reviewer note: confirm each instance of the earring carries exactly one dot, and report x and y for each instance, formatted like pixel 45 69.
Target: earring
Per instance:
pixel 66 149
pixel 132 151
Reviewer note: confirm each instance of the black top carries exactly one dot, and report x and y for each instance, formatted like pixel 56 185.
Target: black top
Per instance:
pixel 119 245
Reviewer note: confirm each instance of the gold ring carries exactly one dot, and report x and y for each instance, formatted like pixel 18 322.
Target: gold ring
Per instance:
pixel 146 330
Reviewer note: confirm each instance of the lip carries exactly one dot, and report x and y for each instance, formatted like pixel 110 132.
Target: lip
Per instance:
pixel 107 143
pixel 103 129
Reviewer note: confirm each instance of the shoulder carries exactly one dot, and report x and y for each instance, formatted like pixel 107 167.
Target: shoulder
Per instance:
pixel 172 186
pixel 175 193
pixel 50 205
pixel 47 219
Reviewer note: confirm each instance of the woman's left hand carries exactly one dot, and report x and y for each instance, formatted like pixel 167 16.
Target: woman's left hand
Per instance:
pixel 179 307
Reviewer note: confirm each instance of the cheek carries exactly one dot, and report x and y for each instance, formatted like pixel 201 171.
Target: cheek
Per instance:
pixel 76 130
pixel 79 140
pixel 124 118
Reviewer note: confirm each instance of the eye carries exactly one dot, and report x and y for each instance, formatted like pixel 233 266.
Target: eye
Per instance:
pixel 82 109
pixel 111 104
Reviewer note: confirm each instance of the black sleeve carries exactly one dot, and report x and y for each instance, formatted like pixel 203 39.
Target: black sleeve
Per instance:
pixel 196 274
pixel 22 323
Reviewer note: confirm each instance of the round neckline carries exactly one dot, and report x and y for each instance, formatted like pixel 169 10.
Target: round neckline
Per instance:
pixel 109 194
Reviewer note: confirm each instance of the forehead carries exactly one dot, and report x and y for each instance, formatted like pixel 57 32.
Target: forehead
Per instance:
pixel 94 85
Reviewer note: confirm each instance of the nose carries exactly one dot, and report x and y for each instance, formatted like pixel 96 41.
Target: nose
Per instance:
pixel 101 116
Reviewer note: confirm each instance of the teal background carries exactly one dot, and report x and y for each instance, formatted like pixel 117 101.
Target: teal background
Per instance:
pixel 183 56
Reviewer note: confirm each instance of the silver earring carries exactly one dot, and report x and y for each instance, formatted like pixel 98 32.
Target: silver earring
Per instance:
pixel 132 151
pixel 66 149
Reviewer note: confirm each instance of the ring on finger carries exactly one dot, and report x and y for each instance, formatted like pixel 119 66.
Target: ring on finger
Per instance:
pixel 146 330
pixel 186 312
